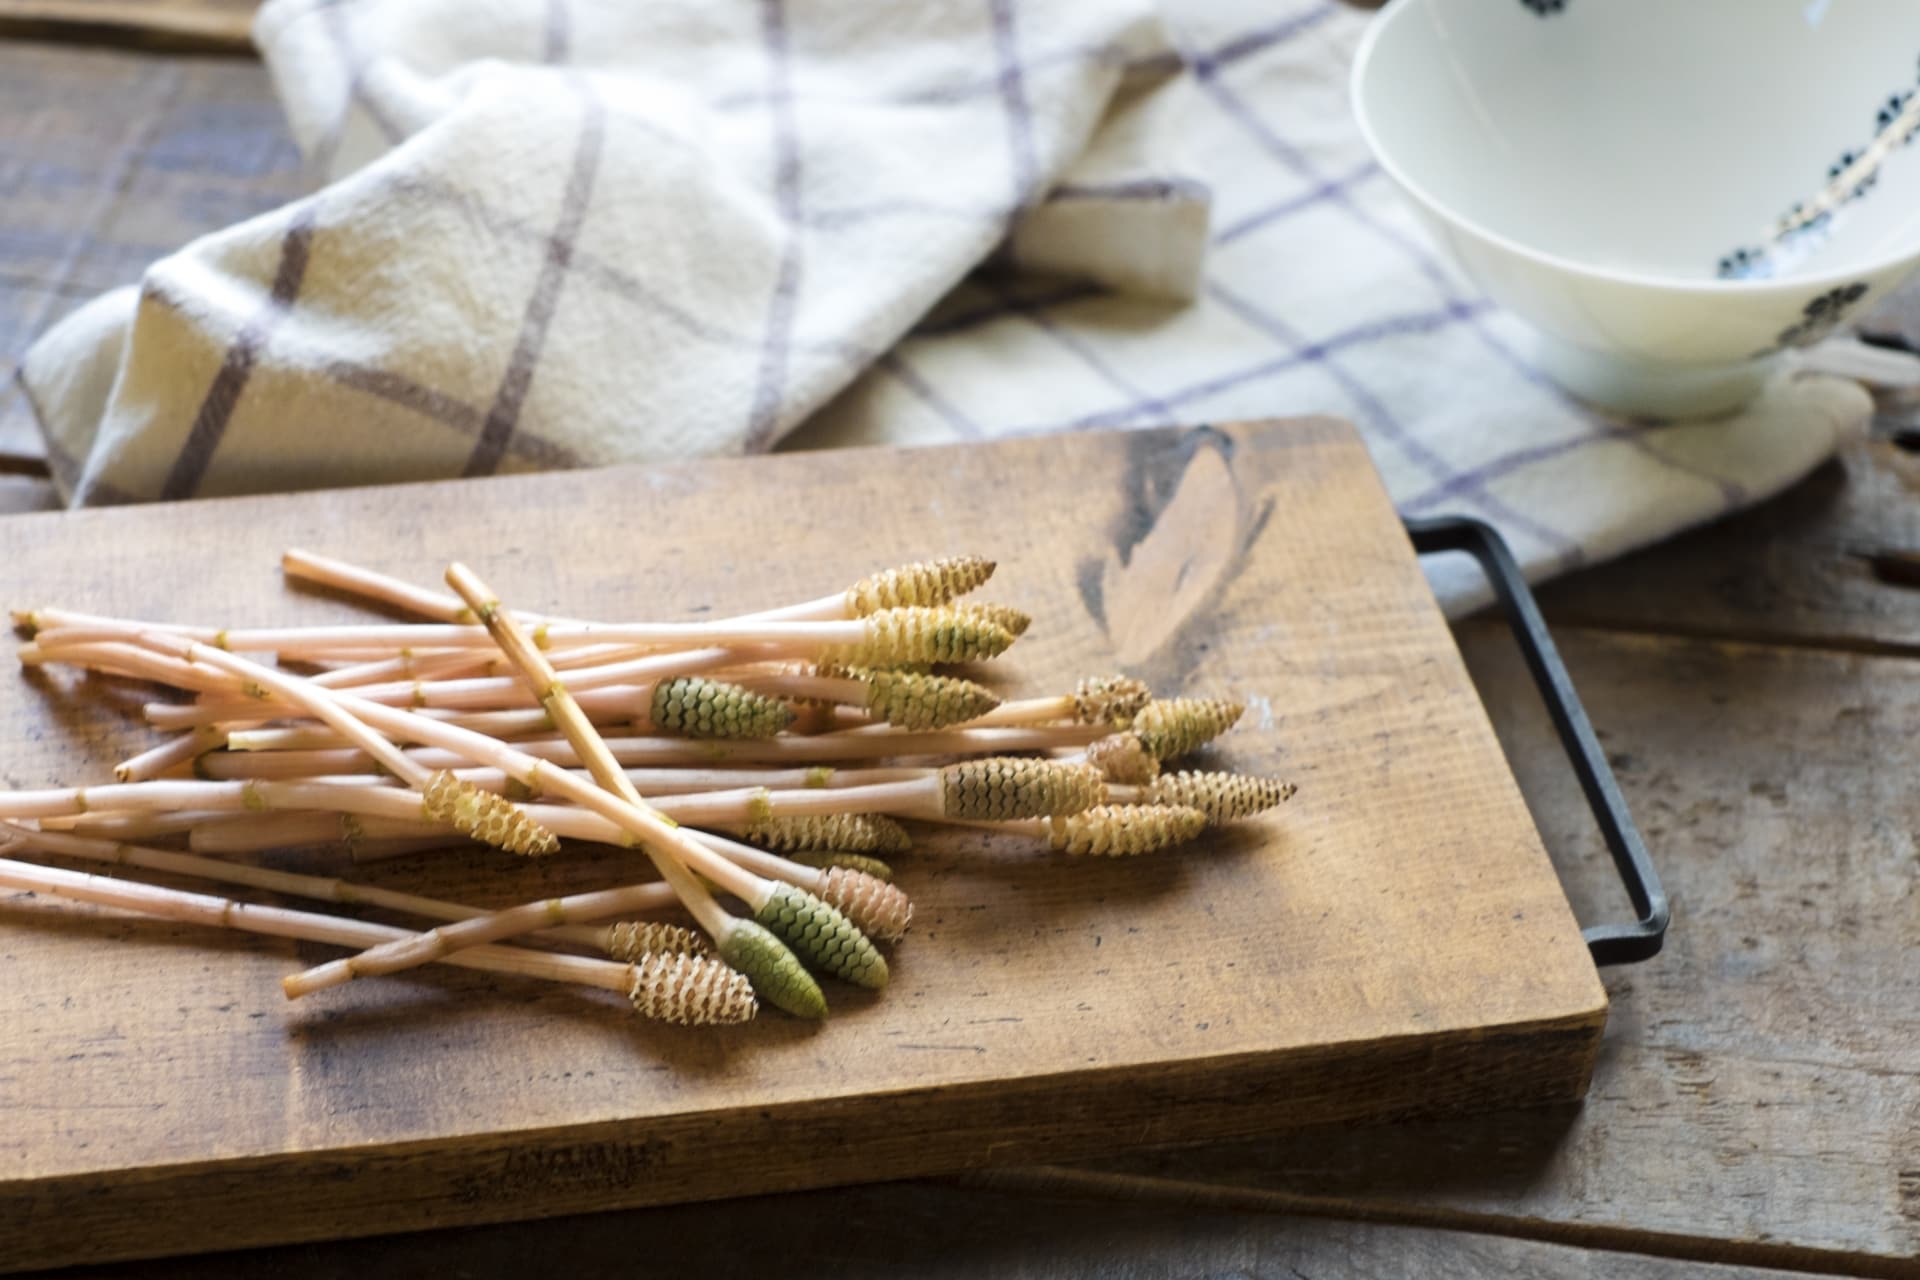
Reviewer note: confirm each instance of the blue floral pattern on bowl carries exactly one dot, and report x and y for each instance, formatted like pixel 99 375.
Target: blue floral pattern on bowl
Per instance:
pixel 1822 315
pixel 1801 235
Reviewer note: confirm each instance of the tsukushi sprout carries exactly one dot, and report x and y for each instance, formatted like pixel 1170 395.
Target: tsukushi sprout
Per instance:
pixel 749 773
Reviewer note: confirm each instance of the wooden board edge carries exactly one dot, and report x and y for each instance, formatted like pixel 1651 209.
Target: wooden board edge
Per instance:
pixel 1601 1002
pixel 322 1195
pixel 1304 429
pixel 149 27
pixel 1598 1002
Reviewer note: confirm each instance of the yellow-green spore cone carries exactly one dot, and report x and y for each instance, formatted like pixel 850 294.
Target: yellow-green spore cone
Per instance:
pixel 701 708
pixel 841 832
pixel 824 936
pixel 1114 700
pixel 829 858
pixel 1125 830
pixel 1009 619
pixel 631 939
pixel 1223 797
pixel 1169 727
pixel 1122 759
pixel 486 817
pixel 915 701
pixel 777 976
pixel 1003 787
pixel 923 583
pixel 897 636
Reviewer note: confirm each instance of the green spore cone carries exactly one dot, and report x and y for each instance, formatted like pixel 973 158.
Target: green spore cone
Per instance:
pixel 914 701
pixel 824 936
pixel 849 832
pixel 701 708
pixel 777 975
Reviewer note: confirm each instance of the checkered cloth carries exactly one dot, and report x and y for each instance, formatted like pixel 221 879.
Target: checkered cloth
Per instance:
pixel 561 232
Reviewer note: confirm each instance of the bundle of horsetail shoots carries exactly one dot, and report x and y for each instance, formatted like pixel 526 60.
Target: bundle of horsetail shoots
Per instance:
pixel 626 940
pixel 782 913
pixel 389 813
pixel 875 743
pixel 775 974
pixel 670 986
pixel 910 634
pixel 750 705
pixel 474 722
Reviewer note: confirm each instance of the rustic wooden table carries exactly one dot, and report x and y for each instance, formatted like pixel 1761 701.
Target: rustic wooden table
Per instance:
pixel 1756 1109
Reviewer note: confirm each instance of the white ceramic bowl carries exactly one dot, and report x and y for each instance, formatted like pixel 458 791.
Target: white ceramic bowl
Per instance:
pixel 1615 172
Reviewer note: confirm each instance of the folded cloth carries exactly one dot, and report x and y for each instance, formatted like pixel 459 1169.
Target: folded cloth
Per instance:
pixel 560 232
pixel 563 233
pixel 1323 294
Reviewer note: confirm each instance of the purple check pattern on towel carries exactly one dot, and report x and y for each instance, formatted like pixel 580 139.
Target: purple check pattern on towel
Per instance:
pixel 1321 294
pixel 582 232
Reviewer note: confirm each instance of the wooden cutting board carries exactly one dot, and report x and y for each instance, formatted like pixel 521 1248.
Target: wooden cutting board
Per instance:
pixel 1391 943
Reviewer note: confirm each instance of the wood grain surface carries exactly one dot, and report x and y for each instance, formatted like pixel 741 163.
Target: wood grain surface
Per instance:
pixel 173 147
pixel 945 1233
pixel 1807 568
pixel 110 161
pixel 171 26
pixel 1755 1101
pixel 1393 943
pixel 1758 1092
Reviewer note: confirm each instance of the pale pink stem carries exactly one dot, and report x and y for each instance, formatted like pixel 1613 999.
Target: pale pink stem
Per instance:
pixel 377 640
pixel 410 666
pixel 315 701
pixel 169 754
pixel 1029 711
pixel 166 794
pixel 831 748
pixel 446 607
pixel 230 833
pixel 323 888
pixel 370 584
pixel 492 692
pixel 224 913
pixel 118 658
pixel 475 931
pixel 918 799
pixel 617 704
pixel 133 824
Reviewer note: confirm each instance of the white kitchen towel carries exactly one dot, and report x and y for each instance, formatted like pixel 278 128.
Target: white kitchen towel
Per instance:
pixel 575 232
pixel 568 232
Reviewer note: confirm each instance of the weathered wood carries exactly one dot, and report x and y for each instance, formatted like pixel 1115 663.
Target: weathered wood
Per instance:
pixel 1784 570
pixel 20 493
pixel 932 1233
pixel 1306 967
pixel 1758 1092
pixel 109 161
pixel 163 26
pixel 1797 569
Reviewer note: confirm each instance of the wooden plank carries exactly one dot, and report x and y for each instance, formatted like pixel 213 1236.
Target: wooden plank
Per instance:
pixel 109 161
pixel 1798 569
pixel 1304 968
pixel 22 493
pixel 1758 1093
pixel 1812 566
pixel 167 26
pixel 933 1233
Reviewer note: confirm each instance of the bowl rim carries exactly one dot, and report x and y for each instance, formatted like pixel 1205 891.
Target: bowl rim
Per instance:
pixel 1356 93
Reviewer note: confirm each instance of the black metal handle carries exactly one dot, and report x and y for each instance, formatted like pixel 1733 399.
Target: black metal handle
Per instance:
pixel 1608 943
